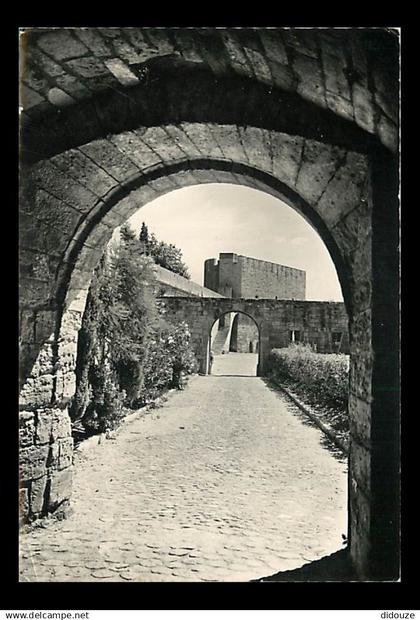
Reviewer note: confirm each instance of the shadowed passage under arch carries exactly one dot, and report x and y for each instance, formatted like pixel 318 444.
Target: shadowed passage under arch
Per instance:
pixel 234 346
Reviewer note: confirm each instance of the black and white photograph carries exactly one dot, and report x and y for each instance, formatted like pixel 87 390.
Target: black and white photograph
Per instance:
pixel 209 292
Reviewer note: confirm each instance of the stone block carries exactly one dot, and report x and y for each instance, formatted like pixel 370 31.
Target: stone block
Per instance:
pixel 132 145
pixel 53 456
pixel 311 85
pixel 318 166
pixel 36 392
pixel 362 293
pixel 286 155
pixel 43 427
pixel 26 428
pixel 93 40
pixel 27 326
pixel 56 213
pixel 76 301
pixel 63 186
pixel 236 54
pixel 360 534
pixel 161 40
pixel 33 462
pixel 66 386
pixel 361 376
pixel 361 259
pixel 122 47
pixel 345 190
pixel 273 45
pixel 60 98
pixel 88 67
pixel 283 76
pixel 35 360
pixel 80 167
pixel 257 145
pixel 61 44
pixel 364 113
pixel 61 425
pixel 113 160
pixel 202 137
pixel 160 142
pixel 23 503
pixel 335 78
pixel 230 142
pixel 361 331
pixel 388 133
pixel 73 87
pixel 354 228
pixel 183 141
pixel 121 71
pixel 163 185
pixel 88 258
pixel 360 420
pixel 60 487
pixel 37 495
pixel 29 98
pixel 144 49
pixel 80 278
pixel 360 465
pixel 45 63
pixel 389 104
pixel 42 240
pixel 65 456
pixel 301 41
pixel 259 65
pixel 340 105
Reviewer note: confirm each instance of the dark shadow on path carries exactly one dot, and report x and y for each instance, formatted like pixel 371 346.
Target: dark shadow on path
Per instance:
pixel 334 567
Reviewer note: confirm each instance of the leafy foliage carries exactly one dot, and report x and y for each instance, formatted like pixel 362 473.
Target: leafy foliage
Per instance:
pixel 324 376
pixel 128 351
pixel 170 353
pixel 164 254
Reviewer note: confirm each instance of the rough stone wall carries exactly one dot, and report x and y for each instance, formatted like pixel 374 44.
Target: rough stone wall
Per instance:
pixel 352 73
pixel 266 280
pixel 316 321
pixel 45 441
pixel 250 277
pixel 244 332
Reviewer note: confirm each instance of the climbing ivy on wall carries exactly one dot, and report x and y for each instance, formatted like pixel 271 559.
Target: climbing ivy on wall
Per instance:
pixel 128 349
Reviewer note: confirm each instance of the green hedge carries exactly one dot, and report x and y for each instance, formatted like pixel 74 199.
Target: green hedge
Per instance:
pixel 323 376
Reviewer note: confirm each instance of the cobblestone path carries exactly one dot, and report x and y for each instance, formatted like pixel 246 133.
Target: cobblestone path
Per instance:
pixel 236 364
pixel 224 482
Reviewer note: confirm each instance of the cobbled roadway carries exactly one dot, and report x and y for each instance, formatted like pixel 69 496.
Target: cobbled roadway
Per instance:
pixel 224 482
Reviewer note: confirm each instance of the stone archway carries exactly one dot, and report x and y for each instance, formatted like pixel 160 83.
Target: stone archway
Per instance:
pixel 259 324
pixel 87 165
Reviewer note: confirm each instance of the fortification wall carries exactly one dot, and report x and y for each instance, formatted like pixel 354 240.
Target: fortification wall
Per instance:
pixel 249 277
pixel 269 280
pixel 244 335
pixel 174 285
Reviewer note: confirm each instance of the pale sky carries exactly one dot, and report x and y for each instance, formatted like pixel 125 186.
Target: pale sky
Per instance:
pixel 204 220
